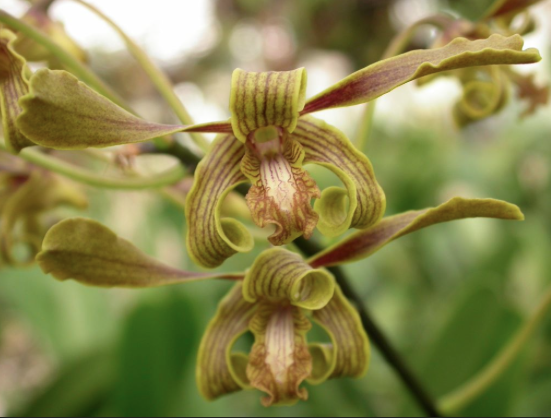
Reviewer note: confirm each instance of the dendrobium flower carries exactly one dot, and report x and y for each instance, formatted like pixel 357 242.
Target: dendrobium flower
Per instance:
pixel 275 299
pixel 279 296
pixel 486 89
pixel 26 195
pixel 267 141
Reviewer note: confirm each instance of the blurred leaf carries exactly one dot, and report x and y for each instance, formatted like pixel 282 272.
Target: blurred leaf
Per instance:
pixel 79 389
pixel 157 343
pixel 479 326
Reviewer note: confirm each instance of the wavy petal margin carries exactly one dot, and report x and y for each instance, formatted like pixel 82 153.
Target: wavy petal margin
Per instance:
pixel 364 243
pixel 349 353
pixel 384 76
pixel 13 85
pixel 90 253
pixel 363 202
pixel 282 190
pixel 63 113
pixel 280 360
pixel 279 274
pixel 266 99
pixel 210 238
pixel 219 371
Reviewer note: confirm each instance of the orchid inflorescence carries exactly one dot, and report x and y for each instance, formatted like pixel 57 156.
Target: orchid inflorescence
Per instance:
pixel 268 142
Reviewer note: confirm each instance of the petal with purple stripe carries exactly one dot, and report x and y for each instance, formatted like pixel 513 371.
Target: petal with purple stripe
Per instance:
pixel 212 239
pixel 363 202
pixel 364 243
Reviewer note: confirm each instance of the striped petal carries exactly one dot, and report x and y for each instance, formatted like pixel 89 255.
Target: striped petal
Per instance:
pixel 210 238
pixel 63 113
pixel 364 243
pixel 279 361
pixel 281 191
pixel 363 202
pixel 266 99
pixel 219 371
pixel 13 85
pixel 384 76
pixel 90 253
pixel 281 275
pixel 349 353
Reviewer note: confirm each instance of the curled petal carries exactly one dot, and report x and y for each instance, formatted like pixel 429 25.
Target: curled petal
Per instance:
pixel 13 85
pixel 481 98
pixel 349 353
pixel 363 202
pixel 210 238
pixel 63 113
pixel 219 371
pixel 90 253
pixel 386 75
pixel 279 361
pixel 506 7
pixel 281 191
pixel 279 274
pixel 38 194
pixel 266 99
pixel 364 243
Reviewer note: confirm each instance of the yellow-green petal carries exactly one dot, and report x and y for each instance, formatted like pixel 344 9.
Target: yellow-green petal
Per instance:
pixel 349 353
pixel 88 252
pixel 279 361
pixel 386 75
pixel 219 371
pixel 13 85
pixel 63 113
pixel 212 239
pixel 40 193
pixel 363 202
pixel 281 275
pixel 364 243
pixel 266 99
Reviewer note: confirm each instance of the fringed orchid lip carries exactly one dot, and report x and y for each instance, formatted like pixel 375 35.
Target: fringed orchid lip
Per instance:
pixel 274 302
pixel 268 141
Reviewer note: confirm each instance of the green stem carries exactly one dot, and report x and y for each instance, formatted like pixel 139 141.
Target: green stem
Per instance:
pixel 70 62
pixel 157 76
pixel 86 177
pixel 470 391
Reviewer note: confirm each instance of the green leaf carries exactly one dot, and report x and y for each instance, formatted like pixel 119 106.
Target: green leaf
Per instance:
pixel 88 252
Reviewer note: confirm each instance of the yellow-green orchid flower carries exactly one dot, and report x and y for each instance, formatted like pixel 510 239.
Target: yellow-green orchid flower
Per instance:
pixel 486 89
pixel 26 195
pixel 268 139
pixel 275 299
pixel 279 296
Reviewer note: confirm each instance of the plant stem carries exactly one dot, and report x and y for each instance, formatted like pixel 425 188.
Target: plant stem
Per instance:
pixel 464 395
pixel 70 62
pixel 156 75
pixel 422 397
pixel 86 177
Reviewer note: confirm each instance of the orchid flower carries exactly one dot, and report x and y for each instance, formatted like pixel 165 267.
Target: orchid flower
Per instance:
pixel 267 141
pixel 275 299
pixel 486 89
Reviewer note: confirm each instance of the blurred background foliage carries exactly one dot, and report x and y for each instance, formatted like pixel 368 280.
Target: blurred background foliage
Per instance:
pixel 449 297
